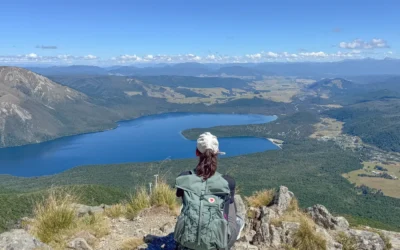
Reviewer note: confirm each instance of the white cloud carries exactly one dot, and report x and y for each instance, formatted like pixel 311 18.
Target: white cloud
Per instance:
pixel 262 56
pixel 360 44
pixel 272 54
pixel 32 55
pixel 90 57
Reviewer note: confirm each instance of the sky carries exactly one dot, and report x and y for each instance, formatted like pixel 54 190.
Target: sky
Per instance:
pixel 129 32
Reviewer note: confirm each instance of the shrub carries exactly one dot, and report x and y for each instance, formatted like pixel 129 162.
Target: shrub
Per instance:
pixel 53 215
pixel 163 195
pixel 131 244
pixel 137 203
pixel 348 242
pixel 115 211
pixel 261 198
pixel 306 238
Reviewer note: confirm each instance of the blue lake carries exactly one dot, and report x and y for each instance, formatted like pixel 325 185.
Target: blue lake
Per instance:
pixel 145 139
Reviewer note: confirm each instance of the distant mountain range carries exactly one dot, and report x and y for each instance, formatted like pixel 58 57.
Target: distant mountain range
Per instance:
pixel 304 69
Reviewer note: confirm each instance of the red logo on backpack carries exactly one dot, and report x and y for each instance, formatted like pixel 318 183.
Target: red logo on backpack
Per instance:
pixel 211 200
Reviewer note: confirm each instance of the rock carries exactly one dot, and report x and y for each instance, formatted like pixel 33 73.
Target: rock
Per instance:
pixel 244 246
pixel 275 236
pixel 82 210
pixel 267 214
pixel 167 228
pixel 21 240
pixel 79 244
pixel 331 244
pixel 288 231
pixel 394 238
pixel 367 240
pixel 323 218
pixel 240 206
pixel 262 235
pixel 88 237
pixel 282 199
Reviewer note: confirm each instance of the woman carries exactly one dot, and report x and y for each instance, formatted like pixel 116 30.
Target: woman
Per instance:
pixel 208 218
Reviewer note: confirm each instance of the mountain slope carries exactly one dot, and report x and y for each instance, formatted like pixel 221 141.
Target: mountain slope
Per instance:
pixel 33 109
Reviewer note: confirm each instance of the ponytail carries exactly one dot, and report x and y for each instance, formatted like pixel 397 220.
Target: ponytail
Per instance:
pixel 207 164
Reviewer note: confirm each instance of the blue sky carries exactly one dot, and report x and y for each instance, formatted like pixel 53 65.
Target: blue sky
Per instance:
pixel 136 31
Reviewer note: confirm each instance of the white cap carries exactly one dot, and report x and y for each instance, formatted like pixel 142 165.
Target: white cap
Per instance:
pixel 208 141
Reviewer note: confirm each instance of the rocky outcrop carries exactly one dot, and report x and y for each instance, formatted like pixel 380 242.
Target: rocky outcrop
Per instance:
pixel 21 240
pixel 323 218
pixel 272 227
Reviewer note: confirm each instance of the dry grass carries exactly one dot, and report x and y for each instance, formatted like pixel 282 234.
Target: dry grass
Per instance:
pixel 115 211
pixel 165 196
pixel 348 242
pixel 261 198
pixel 53 215
pixel 131 244
pixel 386 240
pixel 137 203
pixel 306 238
pixel 55 220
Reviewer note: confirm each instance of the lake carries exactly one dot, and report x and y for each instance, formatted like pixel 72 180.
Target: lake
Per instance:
pixel 150 138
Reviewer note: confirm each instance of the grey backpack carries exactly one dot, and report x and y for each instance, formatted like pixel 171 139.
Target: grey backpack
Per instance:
pixel 201 224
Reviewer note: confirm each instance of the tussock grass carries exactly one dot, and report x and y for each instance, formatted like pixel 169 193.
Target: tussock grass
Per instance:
pixel 115 211
pixel 306 238
pixel 55 219
pixel 348 242
pixel 137 203
pixel 261 198
pixel 164 196
pixel 293 205
pixel 54 214
pixel 386 240
pixel 131 244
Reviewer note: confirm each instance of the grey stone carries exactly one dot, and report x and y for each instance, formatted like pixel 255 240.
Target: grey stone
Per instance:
pixel 367 240
pixel 88 237
pixel 323 218
pixel 282 199
pixel 288 231
pixel 82 210
pixel 167 228
pixel 19 239
pixel 267 214
pixel 240 206
pixel 244 246
pixel 79 244
pixel 276 236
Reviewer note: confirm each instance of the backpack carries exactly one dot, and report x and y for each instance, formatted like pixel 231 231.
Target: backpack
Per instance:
pixel 201 224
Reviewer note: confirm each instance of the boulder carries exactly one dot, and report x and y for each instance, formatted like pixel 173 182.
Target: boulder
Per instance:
pixel 288 231
pixel 21 240
pixel 88 237
pixel 79 244
pixel 367 240
pixel 240 207
pixel 282 200
pixel 167 228
pixel 323 218
pixel 82 210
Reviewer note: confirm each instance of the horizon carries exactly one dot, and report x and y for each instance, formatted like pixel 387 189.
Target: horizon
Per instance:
pixel 153 32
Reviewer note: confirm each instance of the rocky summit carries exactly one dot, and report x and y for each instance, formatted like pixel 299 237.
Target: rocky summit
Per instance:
pixel 278 225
